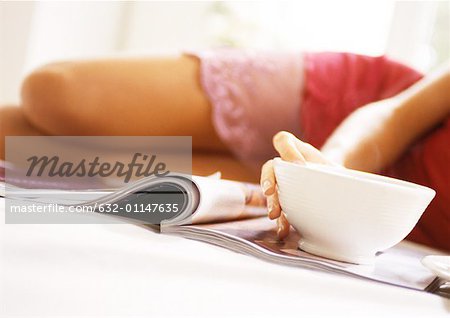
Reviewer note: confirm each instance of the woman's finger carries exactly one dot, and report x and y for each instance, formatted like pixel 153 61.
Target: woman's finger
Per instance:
pixel 273 205
pixel 268 178
pixel 283 226
pixel 285 144
pixel 310 153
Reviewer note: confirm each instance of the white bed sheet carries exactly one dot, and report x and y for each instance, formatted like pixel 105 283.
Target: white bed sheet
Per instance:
pixel 128 271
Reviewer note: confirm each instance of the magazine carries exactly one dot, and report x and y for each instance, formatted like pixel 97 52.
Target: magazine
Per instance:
pixel 232 215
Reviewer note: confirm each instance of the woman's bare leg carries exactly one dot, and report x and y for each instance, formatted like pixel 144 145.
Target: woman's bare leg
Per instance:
pixel 134 97
pixel 14 123
pixel 151 96
pixel 206 163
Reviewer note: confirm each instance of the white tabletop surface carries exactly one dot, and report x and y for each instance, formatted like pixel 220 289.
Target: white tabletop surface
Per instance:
pixel 128 271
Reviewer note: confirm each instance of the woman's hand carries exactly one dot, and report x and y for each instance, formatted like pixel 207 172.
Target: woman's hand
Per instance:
pixel 290 149
pixel 370 139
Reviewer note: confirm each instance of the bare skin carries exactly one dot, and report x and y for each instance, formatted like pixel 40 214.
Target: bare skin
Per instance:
pixel 370 139
pixel 124 97
pixel 14 123
pixel 127 97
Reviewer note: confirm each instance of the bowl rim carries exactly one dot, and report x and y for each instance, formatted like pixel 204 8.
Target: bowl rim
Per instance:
pixel 336 171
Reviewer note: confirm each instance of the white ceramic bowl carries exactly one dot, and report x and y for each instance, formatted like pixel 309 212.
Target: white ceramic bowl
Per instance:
pixel 348 215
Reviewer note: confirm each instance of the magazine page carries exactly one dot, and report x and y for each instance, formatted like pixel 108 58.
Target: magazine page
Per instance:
pixel 206 199
pixel 225 200
pixel 398 266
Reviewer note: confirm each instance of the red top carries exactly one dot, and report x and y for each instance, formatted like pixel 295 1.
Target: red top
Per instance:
pixel 338 83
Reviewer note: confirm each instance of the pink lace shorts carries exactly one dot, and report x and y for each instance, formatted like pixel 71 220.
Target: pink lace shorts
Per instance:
pixel 255 94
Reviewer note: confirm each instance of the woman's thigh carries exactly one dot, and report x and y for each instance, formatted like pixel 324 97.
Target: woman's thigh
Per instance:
pixel 204 164
pixel 14 123
pixel 133 96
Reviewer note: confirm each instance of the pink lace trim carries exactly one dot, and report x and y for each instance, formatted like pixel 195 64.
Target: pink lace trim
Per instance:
pixel 254 95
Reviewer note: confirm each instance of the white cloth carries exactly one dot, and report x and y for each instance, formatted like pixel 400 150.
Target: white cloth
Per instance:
pixel 126 270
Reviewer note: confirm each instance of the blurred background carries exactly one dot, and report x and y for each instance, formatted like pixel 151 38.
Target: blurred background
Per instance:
pixel 35 33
